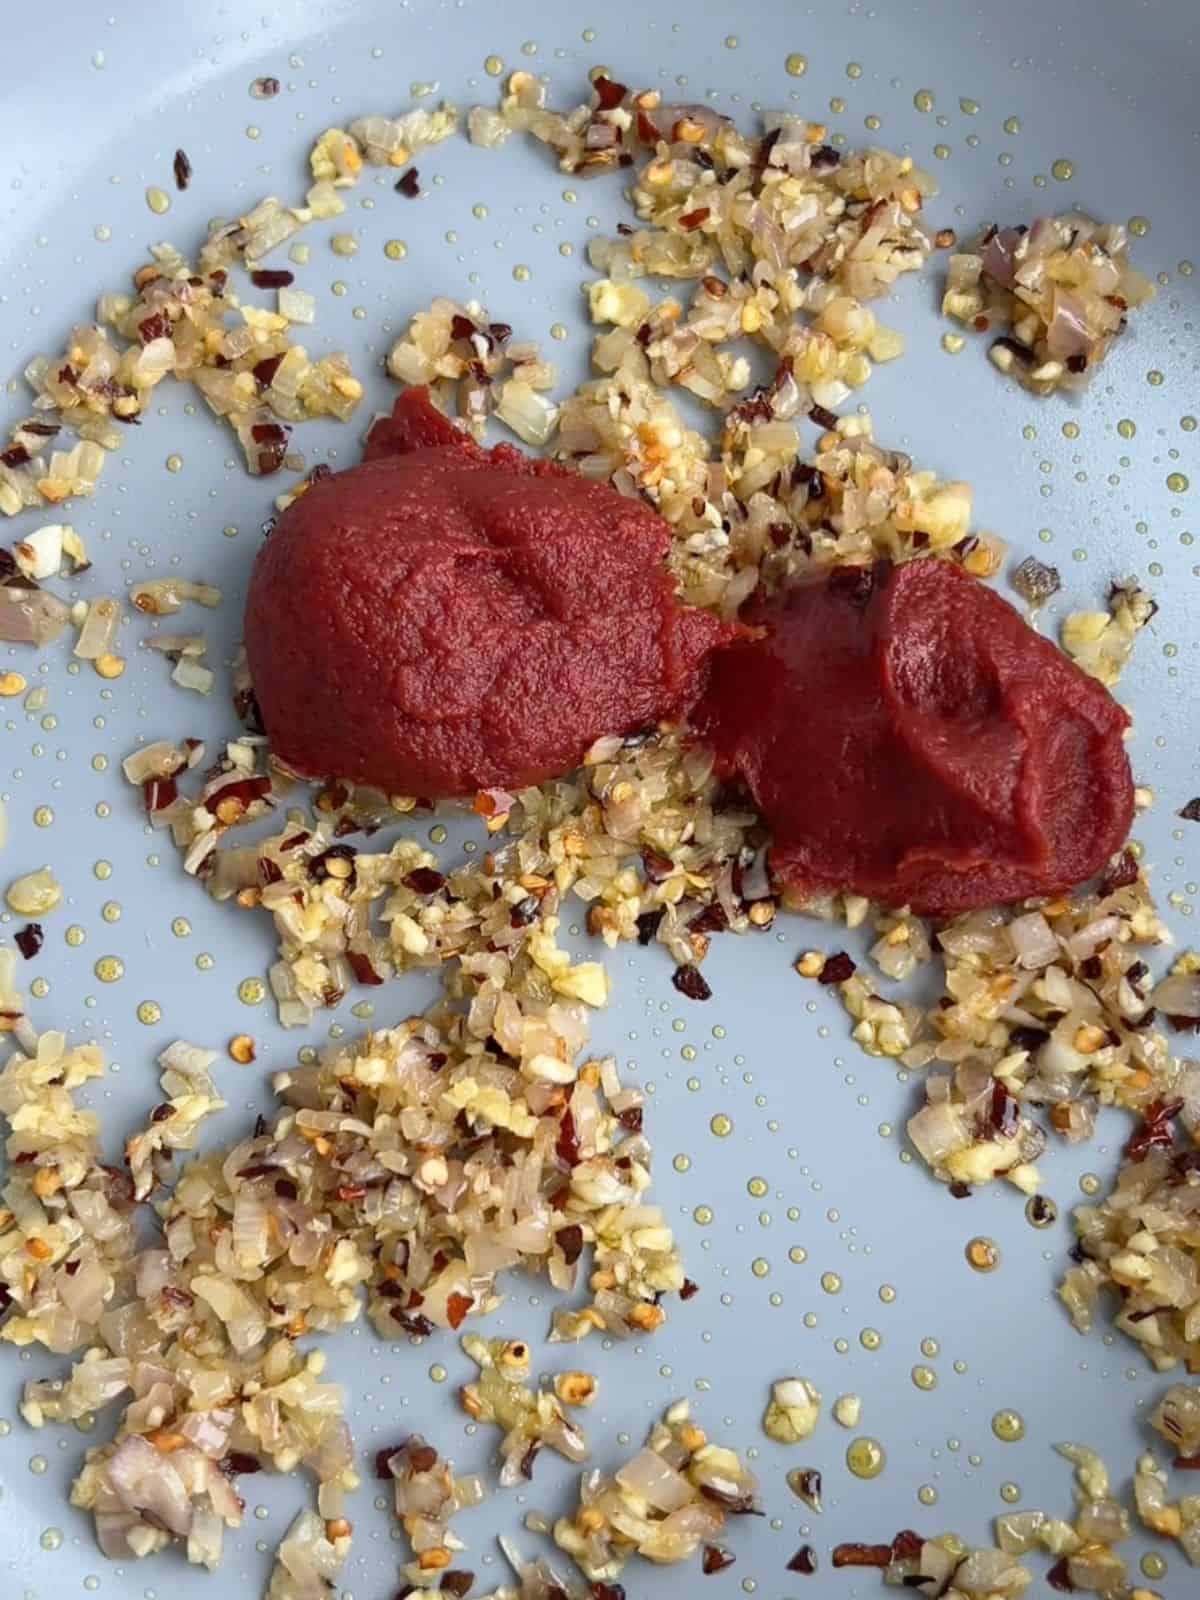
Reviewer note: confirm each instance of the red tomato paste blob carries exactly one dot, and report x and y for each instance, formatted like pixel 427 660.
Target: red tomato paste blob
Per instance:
pixel 908 737
pixel 445 618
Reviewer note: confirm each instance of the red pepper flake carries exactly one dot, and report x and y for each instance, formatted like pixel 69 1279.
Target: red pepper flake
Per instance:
pixel 238 1462
pixel 457 1307
pixel 566 1146
pixel 530 1456
pixel 318 867
pixel 691 982
pixel 1120 875
pixel 1004 1112
pixel 162 1112
pixel 1157 1130
pixel 265 88
pixel 694 219
pixel 862 1555
pixel 906 1546
pixel 688 1289
pixel 183 170
pixel 272 278
pixel 269 871
pixel 1189 813
pixel 804 1561
pixel 384 1457
pixel 631 1119
pixel 609 93
pixel 604 1591
pixel 461 327
pixel 424 880
pixel 570 1241
pixel 1188 1463
pixel 710 919
pixel 360 966
pixel 823 417
pixel 157 326
pixel 657 868
pixel 647 132
pixel 245 790
pixel 457 1582
pixel 422 1457
pixel 159 793
pixel 409 184
pixel 838 967
pixel 29 940
pixel 412 1322
pixel 647 924
pixel 1059 1577
pixel 715 1559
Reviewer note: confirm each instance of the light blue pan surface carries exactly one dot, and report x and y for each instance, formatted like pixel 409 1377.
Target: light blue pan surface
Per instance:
pixel 92 109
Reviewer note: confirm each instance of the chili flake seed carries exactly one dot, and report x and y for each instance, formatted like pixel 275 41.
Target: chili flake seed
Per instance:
pixel 242 1048
pixel 109 666
pixel 810 964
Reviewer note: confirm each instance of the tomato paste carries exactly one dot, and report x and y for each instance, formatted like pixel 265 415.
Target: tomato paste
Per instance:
pixel 908 737
pixel 445 618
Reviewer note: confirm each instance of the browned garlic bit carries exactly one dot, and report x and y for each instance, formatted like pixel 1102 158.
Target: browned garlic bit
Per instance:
pixel 663 1504
pixel 1061 289
pixel 529 1419
pixel 793 1411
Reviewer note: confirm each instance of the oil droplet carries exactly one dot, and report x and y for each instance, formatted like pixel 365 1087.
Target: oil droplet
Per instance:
pixel 437 834
pixel 1154 378
pixel 559 331
pixel 731 41
pixel 1177 483
pixel 923 99
pixel 866 1458
pixel 924 1378
pixel 798 1255
pixel 969 108
pixel 395 249
pixel 1008 1426
pixel 493 66
pixel 75 935
pixel 1062 169
pixel 174 463
pixel 870 1339
pixel 1040 1211
pixel 871 122
pixel 43 816
pixel 158 200
pixel 760 1267
pixel 1070 430
pixel 99 762
pixel 1127 428
pixel 1011 124
pixel 927 1495
pixel 1188 424
pixel 109 969
pixel 149 1012
pixel 757 1187
pixel 437 1373
pixel 703 1215
pixel 721 1125
pixel 479 211
pixel 1153 1565
pixel 111 911
pixel 831 1283
pixel 682 1163
pixel 837 105
pixel 1010 1493
pixel 942 152
pixel 1090 1183
pixel 102 232
pixel 983 1254
pixel 51 1539
pixel 252 991
pixel 38 1465
pixel 181 927
pixel 1139 226
pixel 796 65
pixel 521 273
pixel 887 1293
